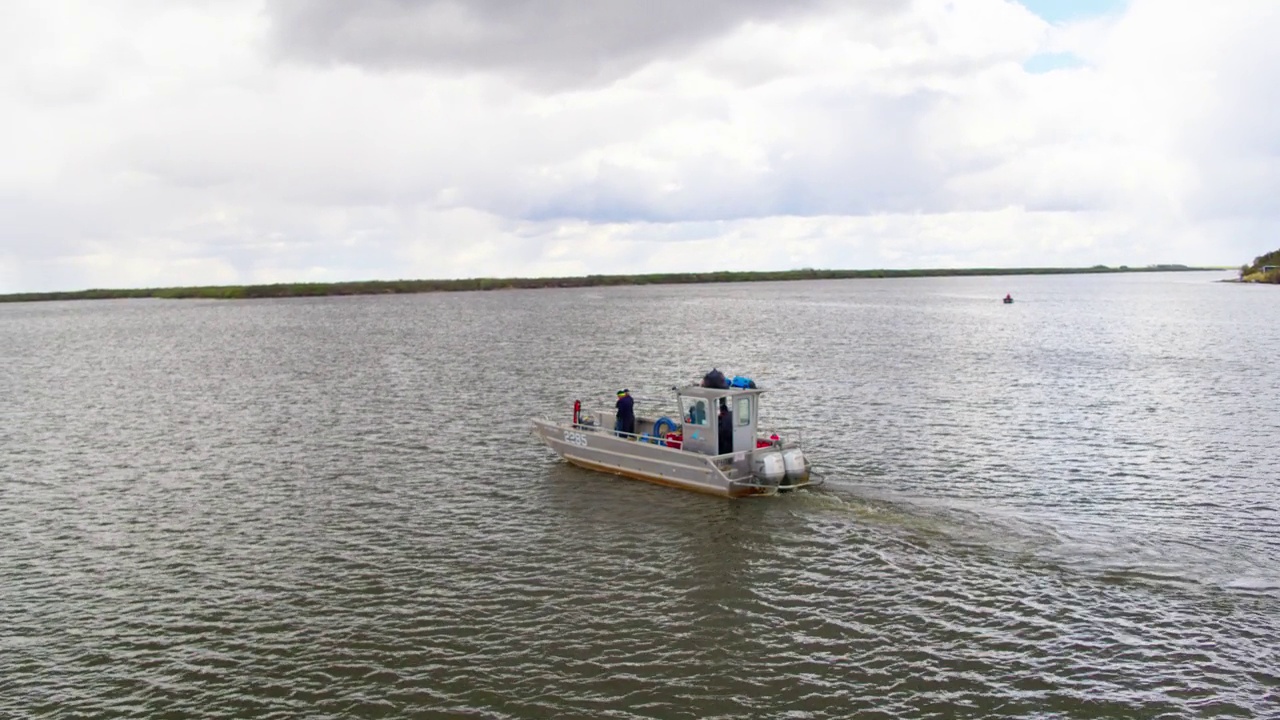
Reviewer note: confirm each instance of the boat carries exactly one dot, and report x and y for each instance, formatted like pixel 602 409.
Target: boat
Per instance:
pixel 1008 299
pixel 687 453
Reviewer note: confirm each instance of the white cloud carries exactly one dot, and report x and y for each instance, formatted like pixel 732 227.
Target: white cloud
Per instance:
pixel 548 43
pixel 198 142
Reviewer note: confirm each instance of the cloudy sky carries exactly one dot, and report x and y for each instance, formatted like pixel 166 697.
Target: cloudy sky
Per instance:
pixel 178 142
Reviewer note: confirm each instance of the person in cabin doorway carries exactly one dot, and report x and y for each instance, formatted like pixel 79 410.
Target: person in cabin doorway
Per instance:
pixel 626 424
pixel 726 428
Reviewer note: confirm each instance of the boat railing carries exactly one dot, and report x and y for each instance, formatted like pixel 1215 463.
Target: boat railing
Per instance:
pixel 597 417
pixel 602 414
pixel 604 418
pixel 785 437
pixel 603 421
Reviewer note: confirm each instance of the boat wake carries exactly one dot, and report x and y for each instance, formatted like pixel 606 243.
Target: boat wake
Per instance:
pixel 1112 549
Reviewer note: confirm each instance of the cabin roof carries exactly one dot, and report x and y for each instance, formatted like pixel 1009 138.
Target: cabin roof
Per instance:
pixel 715 393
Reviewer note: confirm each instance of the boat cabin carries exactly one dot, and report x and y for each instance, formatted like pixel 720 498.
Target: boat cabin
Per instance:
pixel 700 409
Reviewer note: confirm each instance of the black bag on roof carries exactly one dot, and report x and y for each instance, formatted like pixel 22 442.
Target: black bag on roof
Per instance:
pixel 715 379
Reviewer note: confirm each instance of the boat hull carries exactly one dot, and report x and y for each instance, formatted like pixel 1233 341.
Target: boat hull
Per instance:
pixel 654 463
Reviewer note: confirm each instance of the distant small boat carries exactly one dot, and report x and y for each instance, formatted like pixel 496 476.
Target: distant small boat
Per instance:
pixel 1008 299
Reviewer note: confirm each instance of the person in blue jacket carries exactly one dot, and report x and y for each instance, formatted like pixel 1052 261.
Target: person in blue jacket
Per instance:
pixel 626 413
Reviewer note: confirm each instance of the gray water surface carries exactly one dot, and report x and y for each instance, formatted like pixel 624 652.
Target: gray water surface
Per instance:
pixel 334 507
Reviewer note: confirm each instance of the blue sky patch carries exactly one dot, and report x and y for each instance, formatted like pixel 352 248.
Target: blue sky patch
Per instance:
pixel 1066 10
pixel 1047 62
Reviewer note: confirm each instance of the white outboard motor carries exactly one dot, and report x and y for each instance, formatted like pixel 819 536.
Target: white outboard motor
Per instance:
pixel 768 466
pixel 794 465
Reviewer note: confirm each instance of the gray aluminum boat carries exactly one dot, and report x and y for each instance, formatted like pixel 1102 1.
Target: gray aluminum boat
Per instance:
pixel 686 453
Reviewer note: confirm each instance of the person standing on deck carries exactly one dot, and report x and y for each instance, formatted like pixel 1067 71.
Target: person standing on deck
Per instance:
pixel 726 429
pixel 626 413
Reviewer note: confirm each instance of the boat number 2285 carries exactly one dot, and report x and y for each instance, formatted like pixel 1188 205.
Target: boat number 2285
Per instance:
pixel 575 438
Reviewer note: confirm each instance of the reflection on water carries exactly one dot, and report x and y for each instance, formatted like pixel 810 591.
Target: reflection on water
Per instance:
pixel 335 507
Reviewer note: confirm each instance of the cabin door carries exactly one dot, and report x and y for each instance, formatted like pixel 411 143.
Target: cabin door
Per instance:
pixel 699 425
pixel 744 423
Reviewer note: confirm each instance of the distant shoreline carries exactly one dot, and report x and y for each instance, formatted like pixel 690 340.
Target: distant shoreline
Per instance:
pixel 395 287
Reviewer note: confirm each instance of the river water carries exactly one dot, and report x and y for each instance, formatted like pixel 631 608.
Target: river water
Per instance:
pixel 335 507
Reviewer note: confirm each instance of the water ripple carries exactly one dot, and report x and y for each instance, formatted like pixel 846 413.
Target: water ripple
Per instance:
pixel 334 508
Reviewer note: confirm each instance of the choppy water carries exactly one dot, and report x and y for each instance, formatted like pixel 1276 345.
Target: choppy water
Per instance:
pixel 1067 507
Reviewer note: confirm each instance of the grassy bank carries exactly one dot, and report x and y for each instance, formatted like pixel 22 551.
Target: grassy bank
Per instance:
pixel 1272 277
pixel 1263 269
pixel 386 287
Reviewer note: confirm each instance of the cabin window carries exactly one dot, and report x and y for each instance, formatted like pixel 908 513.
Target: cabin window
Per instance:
pixel 696 413
pixel 744 411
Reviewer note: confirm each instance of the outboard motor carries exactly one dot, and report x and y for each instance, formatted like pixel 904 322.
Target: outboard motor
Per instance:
pixel 768 466
pixel 794 465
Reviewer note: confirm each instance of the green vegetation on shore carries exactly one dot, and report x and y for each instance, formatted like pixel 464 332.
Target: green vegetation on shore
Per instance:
pixel 1253 272
pixel 384 287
